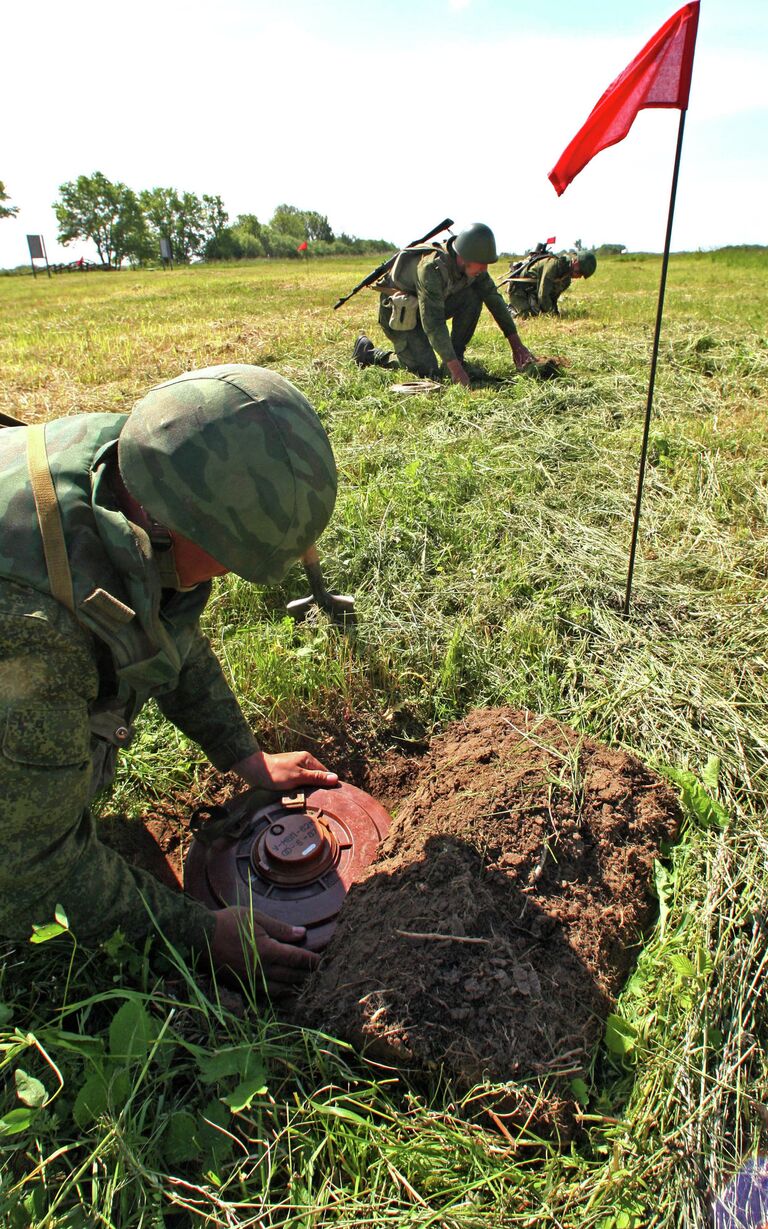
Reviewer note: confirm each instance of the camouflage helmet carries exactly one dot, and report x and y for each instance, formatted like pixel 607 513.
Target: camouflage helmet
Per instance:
pixel 235 459
pixel 587 264
pixel 476 244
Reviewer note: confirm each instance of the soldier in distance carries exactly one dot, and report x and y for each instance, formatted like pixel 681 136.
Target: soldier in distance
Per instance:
pixel 425 288
pixel 223 469
pixel 537 281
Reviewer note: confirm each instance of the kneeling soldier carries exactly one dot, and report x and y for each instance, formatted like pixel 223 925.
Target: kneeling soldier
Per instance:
pixel 425 287
pixel 536 283
pixel 113 526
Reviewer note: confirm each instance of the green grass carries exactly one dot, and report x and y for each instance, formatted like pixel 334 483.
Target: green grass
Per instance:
pixel 485 536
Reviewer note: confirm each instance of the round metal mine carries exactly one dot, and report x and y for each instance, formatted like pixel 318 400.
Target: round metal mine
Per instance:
pixel 294 859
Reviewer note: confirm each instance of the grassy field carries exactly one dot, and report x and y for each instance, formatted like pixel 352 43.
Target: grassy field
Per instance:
pixel 485 535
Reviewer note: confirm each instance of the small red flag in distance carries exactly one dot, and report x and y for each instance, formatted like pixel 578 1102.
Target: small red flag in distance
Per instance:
pixel 660 76
pixel 552 240
pixel 302 246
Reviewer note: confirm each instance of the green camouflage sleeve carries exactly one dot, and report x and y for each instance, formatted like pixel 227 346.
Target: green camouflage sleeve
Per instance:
pixel 486 288
pixel 50 851
pixel 204 708
pixel 431 295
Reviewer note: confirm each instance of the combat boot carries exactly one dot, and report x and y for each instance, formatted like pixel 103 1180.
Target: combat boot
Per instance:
pixel 364 353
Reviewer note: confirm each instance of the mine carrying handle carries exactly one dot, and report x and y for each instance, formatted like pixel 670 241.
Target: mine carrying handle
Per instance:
pixel 446 224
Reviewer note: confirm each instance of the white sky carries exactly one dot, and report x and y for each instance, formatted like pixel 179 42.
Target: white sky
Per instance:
pixel 386 117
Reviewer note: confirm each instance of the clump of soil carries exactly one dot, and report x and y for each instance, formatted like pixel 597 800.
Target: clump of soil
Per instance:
pixel 492 934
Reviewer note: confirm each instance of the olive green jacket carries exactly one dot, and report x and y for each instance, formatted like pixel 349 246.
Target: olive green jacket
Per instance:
pixel 434 277
pixel 546 280
pixel 71 686
pixel 553 276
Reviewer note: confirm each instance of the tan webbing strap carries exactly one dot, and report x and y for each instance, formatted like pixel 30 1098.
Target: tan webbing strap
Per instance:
pixel 49 517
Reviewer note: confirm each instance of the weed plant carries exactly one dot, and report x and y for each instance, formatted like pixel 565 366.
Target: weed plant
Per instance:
pixel 485 536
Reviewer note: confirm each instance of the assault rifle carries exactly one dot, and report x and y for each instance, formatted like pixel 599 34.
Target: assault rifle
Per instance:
pixel 387 264
pixel 519 269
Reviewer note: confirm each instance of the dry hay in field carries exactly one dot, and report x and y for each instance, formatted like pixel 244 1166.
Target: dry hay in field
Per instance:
pixel 492 934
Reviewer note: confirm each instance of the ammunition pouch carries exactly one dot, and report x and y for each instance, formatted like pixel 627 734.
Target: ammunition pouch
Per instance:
pixel 404 311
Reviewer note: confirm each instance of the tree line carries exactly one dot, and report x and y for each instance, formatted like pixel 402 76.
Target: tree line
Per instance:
pixel 127 225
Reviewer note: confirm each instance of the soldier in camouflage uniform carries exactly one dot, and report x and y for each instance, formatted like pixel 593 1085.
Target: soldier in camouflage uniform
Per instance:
pixel 426 287
pixel 537 282
pixel 223 469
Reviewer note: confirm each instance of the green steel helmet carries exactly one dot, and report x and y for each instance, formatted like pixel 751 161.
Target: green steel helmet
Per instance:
pixel 235 459
pixel 476 244
pixel 587 264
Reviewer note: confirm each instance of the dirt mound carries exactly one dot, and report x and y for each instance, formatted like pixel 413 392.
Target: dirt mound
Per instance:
pixel 504 910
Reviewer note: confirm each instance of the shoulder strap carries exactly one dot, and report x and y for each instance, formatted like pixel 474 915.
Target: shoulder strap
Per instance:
pixel 49 517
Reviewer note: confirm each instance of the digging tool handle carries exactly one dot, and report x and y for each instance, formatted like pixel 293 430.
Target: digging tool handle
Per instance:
pixel 311 562
pixel 387 264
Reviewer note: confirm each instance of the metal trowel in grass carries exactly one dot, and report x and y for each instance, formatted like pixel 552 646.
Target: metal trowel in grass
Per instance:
pixel 340 606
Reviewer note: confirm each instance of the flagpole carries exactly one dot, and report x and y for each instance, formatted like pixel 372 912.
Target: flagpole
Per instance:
pixel 654 360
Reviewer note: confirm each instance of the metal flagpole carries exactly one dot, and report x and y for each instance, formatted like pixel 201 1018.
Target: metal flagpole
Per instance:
pixel 654 359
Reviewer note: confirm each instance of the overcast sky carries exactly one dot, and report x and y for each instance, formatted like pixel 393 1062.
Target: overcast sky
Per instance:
pixel 386 117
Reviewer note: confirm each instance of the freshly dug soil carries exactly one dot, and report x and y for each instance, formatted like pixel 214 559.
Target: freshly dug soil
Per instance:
pixel 492 934
pixel 495 929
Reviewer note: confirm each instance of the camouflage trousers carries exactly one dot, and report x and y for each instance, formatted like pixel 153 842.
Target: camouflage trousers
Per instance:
pixel 412 348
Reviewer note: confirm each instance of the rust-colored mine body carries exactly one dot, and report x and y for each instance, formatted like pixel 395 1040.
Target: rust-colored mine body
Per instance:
pixel 294 859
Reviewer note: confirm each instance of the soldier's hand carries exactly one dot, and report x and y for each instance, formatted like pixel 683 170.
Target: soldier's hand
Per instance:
pixel 457 372
pixel 239 931
pixel 289 770
pixel 520 353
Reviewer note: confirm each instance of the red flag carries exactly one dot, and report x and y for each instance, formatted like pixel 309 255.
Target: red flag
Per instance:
pixel 302 246
pixel 660 76
pixel 552 240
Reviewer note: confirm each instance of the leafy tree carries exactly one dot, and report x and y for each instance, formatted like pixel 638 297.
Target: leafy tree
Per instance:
pixel 215 216
pixel 301 224
pixel 92 207
pixel 6 211
pixel 218 243
pixel 318 227
pixel 187 221
pixel 288 220
pixel 243 241
pixel 162 210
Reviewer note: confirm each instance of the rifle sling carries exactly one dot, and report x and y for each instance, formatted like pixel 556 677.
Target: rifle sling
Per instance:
pixel 49 517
